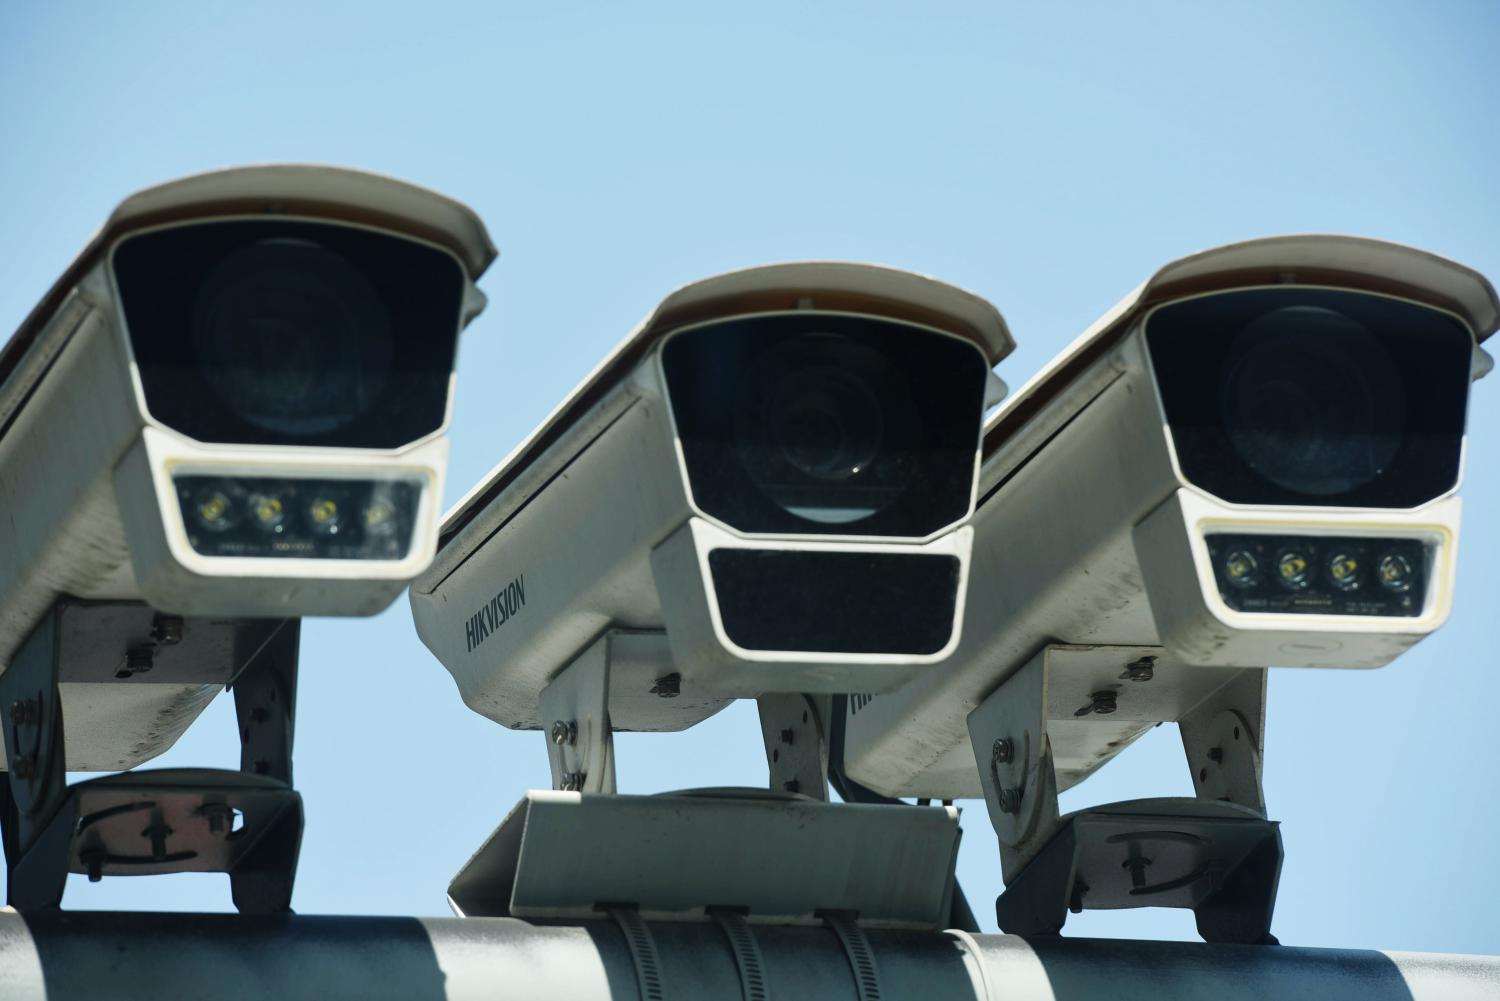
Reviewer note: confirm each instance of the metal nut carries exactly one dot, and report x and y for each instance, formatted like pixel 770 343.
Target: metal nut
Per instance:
pixel 565 733
pixel 1003 751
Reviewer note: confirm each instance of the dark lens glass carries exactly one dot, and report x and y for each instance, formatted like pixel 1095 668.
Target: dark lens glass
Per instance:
pixel 827 424
pixel 1313 396
pixel 894 603
pixel 292 337
pixel 1312 401
pixel 811 429
pixel 291 333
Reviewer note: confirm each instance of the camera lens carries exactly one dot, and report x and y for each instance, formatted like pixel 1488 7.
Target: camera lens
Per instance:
pixel 292 337
pixel 811 432
pixel 1312 401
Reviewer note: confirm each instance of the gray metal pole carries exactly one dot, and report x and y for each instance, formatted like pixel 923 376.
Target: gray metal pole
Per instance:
pixel 62 956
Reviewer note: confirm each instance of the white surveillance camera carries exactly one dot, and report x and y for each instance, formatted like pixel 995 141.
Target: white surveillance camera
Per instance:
pixel 232 404
pixel 776 469
pixel 1251 461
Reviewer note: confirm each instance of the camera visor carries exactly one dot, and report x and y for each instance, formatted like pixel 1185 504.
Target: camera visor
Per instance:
pixel 827 424
pixel 1308 396
pixel 291 333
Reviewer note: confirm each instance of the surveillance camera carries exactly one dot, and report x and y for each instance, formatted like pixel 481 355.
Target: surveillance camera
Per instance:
pixel 1251 461
pixel 232 404
pixel 776 469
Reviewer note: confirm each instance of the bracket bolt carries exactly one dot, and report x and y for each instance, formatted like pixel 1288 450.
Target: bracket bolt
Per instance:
pixel 167 629
pixel 138 660
pixel 1141 670
pixel 572 781
pixel 1003 750
pixel 1216 754
pixel 668 686
pixel 24 767
pixel 22 711
pixel 1010 800
pixel 1104 702
pixel 565 733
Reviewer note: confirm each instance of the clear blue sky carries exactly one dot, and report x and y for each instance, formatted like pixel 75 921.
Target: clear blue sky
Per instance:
pixel 1048 157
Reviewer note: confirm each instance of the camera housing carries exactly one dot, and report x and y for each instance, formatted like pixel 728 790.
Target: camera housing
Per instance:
pixel 1252 460
pixel 232 404
pixel 776 469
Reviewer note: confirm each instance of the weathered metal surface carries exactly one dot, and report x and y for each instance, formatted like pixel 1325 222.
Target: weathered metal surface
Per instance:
pixel 148 957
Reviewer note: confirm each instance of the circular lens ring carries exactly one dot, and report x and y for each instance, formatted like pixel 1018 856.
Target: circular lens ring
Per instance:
pixel 1312 401
pixel 292 337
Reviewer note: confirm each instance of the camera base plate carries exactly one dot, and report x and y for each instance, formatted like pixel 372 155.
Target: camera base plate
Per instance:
pixel 1220 860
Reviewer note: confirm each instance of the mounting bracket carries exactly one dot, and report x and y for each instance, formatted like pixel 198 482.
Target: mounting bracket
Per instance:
pixel 1216 853
pixel 793 728
pixel 247 823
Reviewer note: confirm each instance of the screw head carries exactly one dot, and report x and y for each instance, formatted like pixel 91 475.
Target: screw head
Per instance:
pixel 1003 751
pixel 1010 800
pixel 23 767
pixel 564 733
pixel 1104 702
pixel 1141 670
pixel 22 711
pixel 572 781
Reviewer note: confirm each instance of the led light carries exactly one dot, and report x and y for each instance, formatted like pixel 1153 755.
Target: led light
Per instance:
pixel 380 517
pixel 1395 573
pixel 267 512
pixel 1343 570
pixel 213 510
pixel 1241 568
pixel 1291 569
pixel 323 515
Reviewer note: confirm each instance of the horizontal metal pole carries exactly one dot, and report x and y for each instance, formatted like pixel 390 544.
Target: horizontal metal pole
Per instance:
pixel 92 955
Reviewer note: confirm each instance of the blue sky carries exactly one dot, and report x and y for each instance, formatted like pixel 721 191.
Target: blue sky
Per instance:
pixel 1048 157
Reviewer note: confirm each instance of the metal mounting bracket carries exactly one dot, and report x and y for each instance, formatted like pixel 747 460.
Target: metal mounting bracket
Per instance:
pixel 1064 714
pixel 247 823
pixel 796 740
pixel 575 704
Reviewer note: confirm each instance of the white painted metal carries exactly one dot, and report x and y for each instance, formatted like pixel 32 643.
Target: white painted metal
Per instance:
pixel 1087 534
pixel 636 562
pixel 85 471
pixel 777 859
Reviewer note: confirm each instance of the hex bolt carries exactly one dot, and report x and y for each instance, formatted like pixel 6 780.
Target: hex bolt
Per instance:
pixel 1216 755
pixel 565 733
pixel 1002 751
pixel 1137 867
pixel 24 767
pixel 668 686
pixel 22 711
pixel 791 785
pixel 167 629
pixel 788 735
pixel 1104 702
pixel 572 781
pixel 1141 670
pixel 1010 800
pixel 139 660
